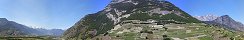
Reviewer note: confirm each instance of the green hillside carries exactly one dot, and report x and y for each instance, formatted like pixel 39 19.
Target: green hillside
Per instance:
pixel 135 20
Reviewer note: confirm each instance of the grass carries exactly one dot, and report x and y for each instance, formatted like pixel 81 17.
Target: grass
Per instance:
pixel 129 36
pixel 205 38
pixel 177 33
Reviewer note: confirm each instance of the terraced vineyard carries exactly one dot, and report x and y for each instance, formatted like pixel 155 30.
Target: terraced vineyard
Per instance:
pixel 153 31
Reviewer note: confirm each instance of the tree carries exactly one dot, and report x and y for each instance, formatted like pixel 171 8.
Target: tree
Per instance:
pixel 165 37
pixel 165 28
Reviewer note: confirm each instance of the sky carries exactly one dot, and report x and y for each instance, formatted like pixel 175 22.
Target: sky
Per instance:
pixel 49 14
pixel 62 14
pixel 233 8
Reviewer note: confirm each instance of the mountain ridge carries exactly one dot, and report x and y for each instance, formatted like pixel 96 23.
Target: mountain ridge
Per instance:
pixel 11 28
pixel 208 17
pixel 224 21
pixel 118 11
pixel 229 22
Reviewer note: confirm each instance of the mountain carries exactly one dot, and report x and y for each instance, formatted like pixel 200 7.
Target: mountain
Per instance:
pixel 119 11
pixel 206 17
pixel 3 21
pixel 222 21
pixel 11 28
pixel 52 32
pixel 228 23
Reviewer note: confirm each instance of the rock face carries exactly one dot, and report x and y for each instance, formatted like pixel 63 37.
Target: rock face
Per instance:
pixel 122 10
pixel 229 23
pixel 223 21
pixel 10 28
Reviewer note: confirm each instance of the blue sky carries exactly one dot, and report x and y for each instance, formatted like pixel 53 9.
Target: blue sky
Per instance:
pixel 50 14
pixel 62 14
pixel 233 8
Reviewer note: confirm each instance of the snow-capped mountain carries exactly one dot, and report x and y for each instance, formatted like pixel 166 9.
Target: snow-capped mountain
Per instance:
pixel 206 17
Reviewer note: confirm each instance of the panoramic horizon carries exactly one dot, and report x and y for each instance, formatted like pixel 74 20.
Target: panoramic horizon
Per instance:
pixel 48 14
pixel 121 20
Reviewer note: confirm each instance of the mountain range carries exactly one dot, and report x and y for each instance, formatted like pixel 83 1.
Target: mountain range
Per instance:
pixel 134 20
pixel 11 28
pixel 206 17
pixel 223 21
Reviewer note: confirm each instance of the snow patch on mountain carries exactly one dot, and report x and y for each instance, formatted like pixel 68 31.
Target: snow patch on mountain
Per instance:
pixel 206 17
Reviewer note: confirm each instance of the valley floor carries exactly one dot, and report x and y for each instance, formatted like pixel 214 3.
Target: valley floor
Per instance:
pixel 188 31
pixel 30 38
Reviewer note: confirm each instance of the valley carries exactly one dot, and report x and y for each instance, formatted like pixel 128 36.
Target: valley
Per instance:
pixel 10 30
pixel 117 20
pixel 30 38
